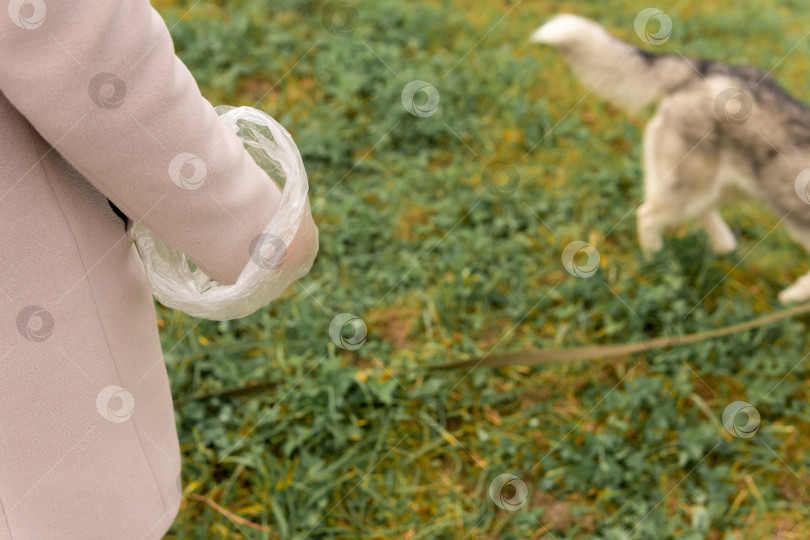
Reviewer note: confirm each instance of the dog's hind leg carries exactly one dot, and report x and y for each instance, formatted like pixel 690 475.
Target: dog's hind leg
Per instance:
pixel 720 236
pixel 800 290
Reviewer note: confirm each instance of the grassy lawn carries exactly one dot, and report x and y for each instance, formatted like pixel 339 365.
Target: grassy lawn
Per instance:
pixel 443 232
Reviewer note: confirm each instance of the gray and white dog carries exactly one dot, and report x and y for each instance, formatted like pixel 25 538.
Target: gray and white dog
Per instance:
pixel 719 131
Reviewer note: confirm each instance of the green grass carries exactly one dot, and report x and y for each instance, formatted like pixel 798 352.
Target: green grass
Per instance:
pixel 440 266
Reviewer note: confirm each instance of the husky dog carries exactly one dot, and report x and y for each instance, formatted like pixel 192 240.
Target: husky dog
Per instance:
pixel 719 130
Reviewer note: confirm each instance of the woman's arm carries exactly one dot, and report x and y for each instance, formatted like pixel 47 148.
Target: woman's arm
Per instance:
pixel 100 82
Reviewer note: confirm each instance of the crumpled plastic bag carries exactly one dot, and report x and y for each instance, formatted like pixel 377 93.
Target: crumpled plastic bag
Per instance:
pixel 178 284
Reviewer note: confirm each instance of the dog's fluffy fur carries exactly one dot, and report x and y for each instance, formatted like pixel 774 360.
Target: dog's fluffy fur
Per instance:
pixel 720 130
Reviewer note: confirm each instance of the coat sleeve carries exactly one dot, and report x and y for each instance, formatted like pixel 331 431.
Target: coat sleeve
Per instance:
pixel 100 82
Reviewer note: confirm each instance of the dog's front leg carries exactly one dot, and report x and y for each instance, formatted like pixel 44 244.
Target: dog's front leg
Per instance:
pixel 649 229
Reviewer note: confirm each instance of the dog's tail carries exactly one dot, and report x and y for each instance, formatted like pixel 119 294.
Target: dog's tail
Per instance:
pixel 617 71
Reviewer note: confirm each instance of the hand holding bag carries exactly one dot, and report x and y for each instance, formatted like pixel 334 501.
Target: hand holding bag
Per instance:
pixel 178 284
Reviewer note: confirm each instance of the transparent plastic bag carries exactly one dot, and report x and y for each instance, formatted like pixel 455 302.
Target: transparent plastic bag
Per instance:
pixel 272 267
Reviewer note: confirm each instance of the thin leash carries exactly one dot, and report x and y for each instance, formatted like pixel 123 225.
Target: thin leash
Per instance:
pixel 535 357
pixel 592 352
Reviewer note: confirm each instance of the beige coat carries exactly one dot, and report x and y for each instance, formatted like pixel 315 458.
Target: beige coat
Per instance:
pixel 95 105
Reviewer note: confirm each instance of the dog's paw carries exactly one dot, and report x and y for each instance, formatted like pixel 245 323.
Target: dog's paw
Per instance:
pixel 724 245
pixel 650 243
pixel 798 292
pixel 649 236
